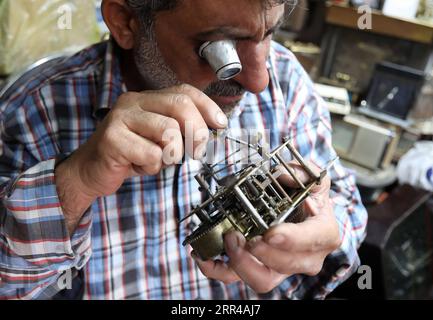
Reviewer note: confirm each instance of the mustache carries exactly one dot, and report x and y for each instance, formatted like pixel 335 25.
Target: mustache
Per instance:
pixel 226 88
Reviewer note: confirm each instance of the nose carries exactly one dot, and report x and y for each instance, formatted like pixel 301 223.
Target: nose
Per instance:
pixel 254 76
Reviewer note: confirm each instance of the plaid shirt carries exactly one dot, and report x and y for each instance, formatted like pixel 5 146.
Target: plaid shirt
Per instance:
pixel 129 244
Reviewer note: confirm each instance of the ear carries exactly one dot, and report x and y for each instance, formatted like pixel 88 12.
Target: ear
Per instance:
pixel 121 22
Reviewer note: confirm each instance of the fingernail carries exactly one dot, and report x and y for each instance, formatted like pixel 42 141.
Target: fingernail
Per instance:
pixel 276 240
pixel 234 241
pixel 221 118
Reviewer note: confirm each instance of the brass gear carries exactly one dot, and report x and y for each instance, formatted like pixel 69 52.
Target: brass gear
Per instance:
pixel 208 242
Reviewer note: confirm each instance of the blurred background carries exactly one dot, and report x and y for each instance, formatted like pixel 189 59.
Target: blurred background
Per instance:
pixel 371 60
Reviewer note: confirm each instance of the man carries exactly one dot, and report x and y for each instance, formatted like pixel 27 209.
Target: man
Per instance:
pixel 84 181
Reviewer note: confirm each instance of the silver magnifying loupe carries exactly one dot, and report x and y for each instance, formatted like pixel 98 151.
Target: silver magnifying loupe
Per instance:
pixel 222 57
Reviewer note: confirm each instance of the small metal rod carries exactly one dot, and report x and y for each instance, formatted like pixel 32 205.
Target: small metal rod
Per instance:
pixel 298 157
pixel 249 155
pixel 204 185
pixel 277 150
pixel 250 146
pixel 330 165
pixel 303 194
pixel 268 184
pixel 275 192
pixel 233 222
pixel 269 209
pixel 282 217
pixel 242 142
pixel 203 216
pixel 248 231
pixel 279 187
pixel 274 160
pixel 248 173
pixel 193 212
pixel 225 167
pixel 226 158
pixel 230 165
pixel 290 170
pixel 250 208
pixel 295 204
pixel 209 171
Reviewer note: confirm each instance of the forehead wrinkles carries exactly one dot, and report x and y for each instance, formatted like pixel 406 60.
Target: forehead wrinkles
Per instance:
pixel 248 15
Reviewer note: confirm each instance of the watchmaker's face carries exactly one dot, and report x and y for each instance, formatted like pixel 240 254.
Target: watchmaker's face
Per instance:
pixel 169 54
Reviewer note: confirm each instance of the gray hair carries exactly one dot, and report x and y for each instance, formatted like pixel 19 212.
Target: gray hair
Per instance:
pixel 146 9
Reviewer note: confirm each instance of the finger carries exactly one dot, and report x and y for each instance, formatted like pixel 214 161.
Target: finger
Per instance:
pixel 160 129
pixel 216 269
pixel 210 111
pixel 286 262
pixel 314 234
pixel 286 178
pixel 134 149
pixel 318 204
pixel 254 273
pixel 182 108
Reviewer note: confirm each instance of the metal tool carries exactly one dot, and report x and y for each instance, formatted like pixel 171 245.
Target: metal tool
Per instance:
pixel 250 200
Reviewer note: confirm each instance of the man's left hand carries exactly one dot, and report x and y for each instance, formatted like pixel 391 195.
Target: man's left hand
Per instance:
pixel 284 250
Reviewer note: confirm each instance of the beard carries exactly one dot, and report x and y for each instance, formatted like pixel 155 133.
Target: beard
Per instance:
pixel 151 65
pixel 227 88
pixel 158 75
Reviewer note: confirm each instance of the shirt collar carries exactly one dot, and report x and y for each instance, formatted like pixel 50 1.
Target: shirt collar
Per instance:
pixel 111 85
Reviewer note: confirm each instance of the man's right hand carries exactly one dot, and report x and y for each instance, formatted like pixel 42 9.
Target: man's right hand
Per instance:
pixel 141 134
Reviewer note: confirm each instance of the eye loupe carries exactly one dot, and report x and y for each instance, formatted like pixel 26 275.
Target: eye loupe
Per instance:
pixel 222 57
